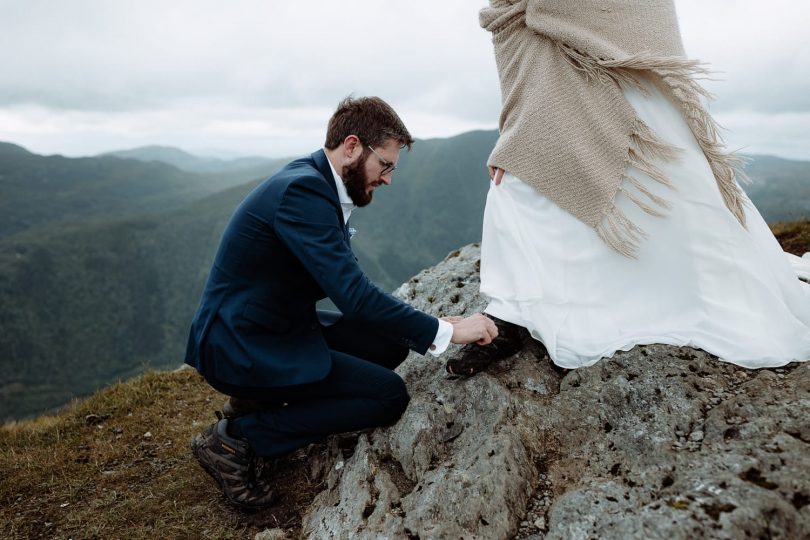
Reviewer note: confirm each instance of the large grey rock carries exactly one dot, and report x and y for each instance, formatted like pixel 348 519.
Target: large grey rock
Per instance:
pixel 658 442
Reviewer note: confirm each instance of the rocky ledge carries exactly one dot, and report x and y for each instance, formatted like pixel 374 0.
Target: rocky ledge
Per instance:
pixel 657 442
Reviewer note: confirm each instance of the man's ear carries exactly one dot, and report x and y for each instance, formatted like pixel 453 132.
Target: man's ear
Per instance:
pixel 351 145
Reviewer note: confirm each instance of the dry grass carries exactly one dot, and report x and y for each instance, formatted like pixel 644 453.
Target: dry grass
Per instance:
pixel 118 465
pixel 794 237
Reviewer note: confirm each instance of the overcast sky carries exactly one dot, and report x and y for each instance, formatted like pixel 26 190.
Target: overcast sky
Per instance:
pixel 262 77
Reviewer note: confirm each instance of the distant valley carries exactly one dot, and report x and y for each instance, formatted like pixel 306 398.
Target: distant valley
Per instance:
pixel 102 259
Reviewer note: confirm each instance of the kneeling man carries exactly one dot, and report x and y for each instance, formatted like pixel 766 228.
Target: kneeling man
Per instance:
pixel 295 374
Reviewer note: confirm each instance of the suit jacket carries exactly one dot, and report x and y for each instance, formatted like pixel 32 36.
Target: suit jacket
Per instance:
pixel 285 248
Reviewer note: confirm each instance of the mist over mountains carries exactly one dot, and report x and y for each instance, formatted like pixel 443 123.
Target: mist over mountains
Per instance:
pixel 780 188
pixel 102 259
pixel 250 166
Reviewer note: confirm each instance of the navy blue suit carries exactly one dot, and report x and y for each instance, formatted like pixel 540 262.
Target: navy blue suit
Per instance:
pixel 257 333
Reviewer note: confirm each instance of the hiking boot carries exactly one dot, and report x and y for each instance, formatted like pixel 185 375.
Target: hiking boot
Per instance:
pixel 236 407
pixel 232 463
pixel 475 358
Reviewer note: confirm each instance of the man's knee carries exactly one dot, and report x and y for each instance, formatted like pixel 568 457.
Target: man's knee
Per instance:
pixel 396 400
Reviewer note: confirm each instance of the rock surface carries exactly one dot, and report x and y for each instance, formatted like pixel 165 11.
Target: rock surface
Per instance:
pixel 271 534
pixel 657 442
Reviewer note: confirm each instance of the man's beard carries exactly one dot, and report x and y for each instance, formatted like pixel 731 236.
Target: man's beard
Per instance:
pixel 355 179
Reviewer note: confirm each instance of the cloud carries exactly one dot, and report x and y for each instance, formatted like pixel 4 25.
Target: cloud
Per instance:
pixel 782 134
pixel 108 56
pixel 759 51
pixel 98 75
pixel 279 132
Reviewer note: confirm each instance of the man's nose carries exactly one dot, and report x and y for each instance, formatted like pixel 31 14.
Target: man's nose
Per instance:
pixel 386 178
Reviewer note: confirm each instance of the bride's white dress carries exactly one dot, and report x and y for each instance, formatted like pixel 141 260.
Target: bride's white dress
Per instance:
pixel 700 280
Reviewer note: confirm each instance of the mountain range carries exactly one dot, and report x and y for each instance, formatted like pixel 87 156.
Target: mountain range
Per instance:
pixel 102 259
pixel 39 190
pixel 250 166
pixel 780 188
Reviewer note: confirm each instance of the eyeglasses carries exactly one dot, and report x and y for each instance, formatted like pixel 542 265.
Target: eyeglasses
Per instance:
pixel 388 167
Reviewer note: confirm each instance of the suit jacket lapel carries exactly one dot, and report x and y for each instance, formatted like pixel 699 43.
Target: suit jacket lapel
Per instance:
pixel 322 164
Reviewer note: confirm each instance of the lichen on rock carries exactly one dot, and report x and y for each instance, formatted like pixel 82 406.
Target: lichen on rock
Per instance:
pixel 657 442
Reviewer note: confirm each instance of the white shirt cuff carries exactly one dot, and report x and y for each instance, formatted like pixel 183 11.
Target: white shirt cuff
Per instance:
pixel 442 339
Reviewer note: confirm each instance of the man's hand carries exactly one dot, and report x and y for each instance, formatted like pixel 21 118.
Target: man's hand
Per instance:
pixel 475 328
pixel 496 175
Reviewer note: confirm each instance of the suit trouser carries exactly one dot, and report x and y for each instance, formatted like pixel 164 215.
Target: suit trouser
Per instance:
pixel 361 391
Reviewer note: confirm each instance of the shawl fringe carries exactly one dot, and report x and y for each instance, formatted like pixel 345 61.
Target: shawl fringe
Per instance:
pixel 679 77
pixel 615 228
pixel 617 231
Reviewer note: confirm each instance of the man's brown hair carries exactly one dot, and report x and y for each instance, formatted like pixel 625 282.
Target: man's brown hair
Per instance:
pixel 371 119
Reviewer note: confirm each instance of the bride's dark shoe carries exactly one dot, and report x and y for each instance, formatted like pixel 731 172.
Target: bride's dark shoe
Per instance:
pixel 475 358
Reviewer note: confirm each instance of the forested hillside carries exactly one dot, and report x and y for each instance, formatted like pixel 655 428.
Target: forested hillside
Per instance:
pixel 106 276
pixel 38 190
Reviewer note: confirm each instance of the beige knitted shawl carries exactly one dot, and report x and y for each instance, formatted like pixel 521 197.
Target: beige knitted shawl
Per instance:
pixel 565 126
